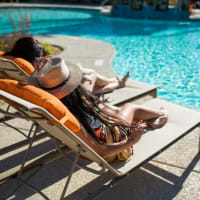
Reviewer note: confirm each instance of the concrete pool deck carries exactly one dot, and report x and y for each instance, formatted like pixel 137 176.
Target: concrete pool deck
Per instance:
pixel 174 174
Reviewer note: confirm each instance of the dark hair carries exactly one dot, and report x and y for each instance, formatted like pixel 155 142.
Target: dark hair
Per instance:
pixel 84 104
pixel 27 48
pixel 75 104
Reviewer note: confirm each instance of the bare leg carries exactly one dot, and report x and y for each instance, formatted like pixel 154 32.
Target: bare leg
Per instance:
pixel 107 88
pixel 131 113
pixel 98 84
pixel 103 81
pixel 107 85
pixel 99 79
pixel 88 81
pixel 90 85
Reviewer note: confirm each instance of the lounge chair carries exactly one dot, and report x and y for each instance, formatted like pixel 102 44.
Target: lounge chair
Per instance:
pixel 134 91
pixel 48 113
pixel 15 68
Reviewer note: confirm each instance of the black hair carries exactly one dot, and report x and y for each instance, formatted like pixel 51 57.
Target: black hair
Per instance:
pixel 75 104
pixel 27 48
pixel 83 104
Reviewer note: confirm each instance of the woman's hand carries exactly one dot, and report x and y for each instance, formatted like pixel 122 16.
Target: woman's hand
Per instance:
pixel 40 62
pixel 138 131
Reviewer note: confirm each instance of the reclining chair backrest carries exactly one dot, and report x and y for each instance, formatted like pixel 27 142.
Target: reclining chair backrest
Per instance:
pixel 15 68
pixel 54 117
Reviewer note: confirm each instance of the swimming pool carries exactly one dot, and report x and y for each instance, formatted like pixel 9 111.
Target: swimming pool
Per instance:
pixel 157 52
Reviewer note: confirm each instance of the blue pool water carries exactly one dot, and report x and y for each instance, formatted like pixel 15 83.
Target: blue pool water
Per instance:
pixel 157 52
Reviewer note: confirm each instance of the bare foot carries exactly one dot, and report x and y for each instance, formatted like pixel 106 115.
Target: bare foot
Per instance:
pixel 160 121
pixel 122 82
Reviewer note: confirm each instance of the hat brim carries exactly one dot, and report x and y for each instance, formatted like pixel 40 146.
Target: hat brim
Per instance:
pixel 65 89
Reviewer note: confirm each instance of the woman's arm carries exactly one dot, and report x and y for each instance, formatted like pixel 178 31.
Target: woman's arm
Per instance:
pixel 109 149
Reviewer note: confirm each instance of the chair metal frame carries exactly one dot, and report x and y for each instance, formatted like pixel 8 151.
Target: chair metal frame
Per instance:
pixel 11 70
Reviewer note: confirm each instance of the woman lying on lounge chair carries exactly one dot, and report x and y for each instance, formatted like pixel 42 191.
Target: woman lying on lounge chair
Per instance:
pixel 63 80
pixel 30 49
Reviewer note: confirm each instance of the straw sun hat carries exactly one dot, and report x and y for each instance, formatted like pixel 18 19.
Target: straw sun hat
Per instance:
pixel 57 77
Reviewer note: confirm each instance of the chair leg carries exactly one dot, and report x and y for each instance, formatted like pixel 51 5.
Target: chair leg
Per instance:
pixel 31 129
pixel 33 188
pixel 98 172
pixel 8 107
pixel 74 165
pixel 17 129
pixel 22 182
pixel 199 144
pixel 70 176
pixel 27 153
pixel 23 164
